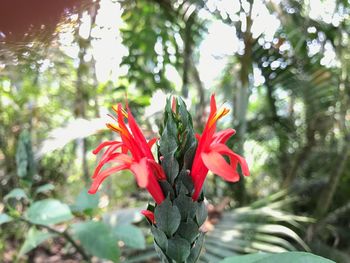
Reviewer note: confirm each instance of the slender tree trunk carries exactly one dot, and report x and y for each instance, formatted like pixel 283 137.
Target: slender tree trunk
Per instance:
pixel 327 196
pixel 241 100
pixel 201 94
pixel 188 46
pixel 82 94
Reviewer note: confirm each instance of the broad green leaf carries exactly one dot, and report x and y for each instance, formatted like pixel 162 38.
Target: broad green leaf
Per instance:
pixel 185 205
pixel 97 239
pixel 16 193
pixel 160 238
pixel 48 212
pixel 168 217
pixel 287 257
pixel 5 218
pixel 178 249
pixel 131 235
pixel 33 239
pixel 85 201
pixel 188 230
pixel 44 188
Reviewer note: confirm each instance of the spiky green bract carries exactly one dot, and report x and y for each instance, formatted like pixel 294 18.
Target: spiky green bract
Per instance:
pixel 178 218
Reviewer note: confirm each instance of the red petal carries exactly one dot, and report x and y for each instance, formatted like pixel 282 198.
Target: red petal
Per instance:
pixel 149 215
pixel 223 136
pixel 104 144
pixel 218 165
pixel 139 137
pixel 151 142
pixel 212 106
pixel 103 175
pixel 140 170
pixel 223 149
pixel 157 169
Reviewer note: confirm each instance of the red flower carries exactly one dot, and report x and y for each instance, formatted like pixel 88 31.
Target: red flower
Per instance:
pixel 141 161
pixel 210 151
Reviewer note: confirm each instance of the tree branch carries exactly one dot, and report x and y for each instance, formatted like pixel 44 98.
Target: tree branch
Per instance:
pixel 63 234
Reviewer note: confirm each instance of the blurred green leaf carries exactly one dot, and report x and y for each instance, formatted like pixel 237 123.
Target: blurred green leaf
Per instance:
pixel 44 188
pixel 24 156
pixel 48 212
pixel 287 257
pixel 97 239
pixel 85 202
pixel 131 235
pixel 16 193
pixel 5 218
pixel 33 239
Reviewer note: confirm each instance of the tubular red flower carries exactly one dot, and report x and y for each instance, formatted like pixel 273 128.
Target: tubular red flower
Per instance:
pixel 140 161
pixel 149 215
pixel 210 151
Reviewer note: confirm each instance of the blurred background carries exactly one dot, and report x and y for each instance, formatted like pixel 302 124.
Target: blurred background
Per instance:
pixel 282 67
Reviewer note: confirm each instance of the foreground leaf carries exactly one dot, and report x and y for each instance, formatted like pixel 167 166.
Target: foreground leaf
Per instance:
pixel 5 218
pixel 48 212
pixel 34 238
pixel 131 235
pixel 85 202
pixel 45 188
pixel 16 193
pixel 287 257
pixel 97 239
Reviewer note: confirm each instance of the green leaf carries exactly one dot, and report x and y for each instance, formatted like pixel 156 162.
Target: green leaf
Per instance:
pixel 201 213
pixel 33 239
pixel 24 156
pixel 188 230
pixel 167 217
pixel 85 202
pixel 196 250
pixel 97 239
pixel 189 154
pixel 178 249
pixel 5 218
pixel 161 253
pixel 45 188
pixel 287 257
pixel 184 179
pixel 131 235
pixel 168 142
pixel 184 115
pixel 48 212
pixel 167 188
pixel 170 166
pixel 186 206
pixel 160 238
pixel 16 193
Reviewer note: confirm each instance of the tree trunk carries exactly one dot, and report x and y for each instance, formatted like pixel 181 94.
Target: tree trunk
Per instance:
pixel 82 95
pixel 241 100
